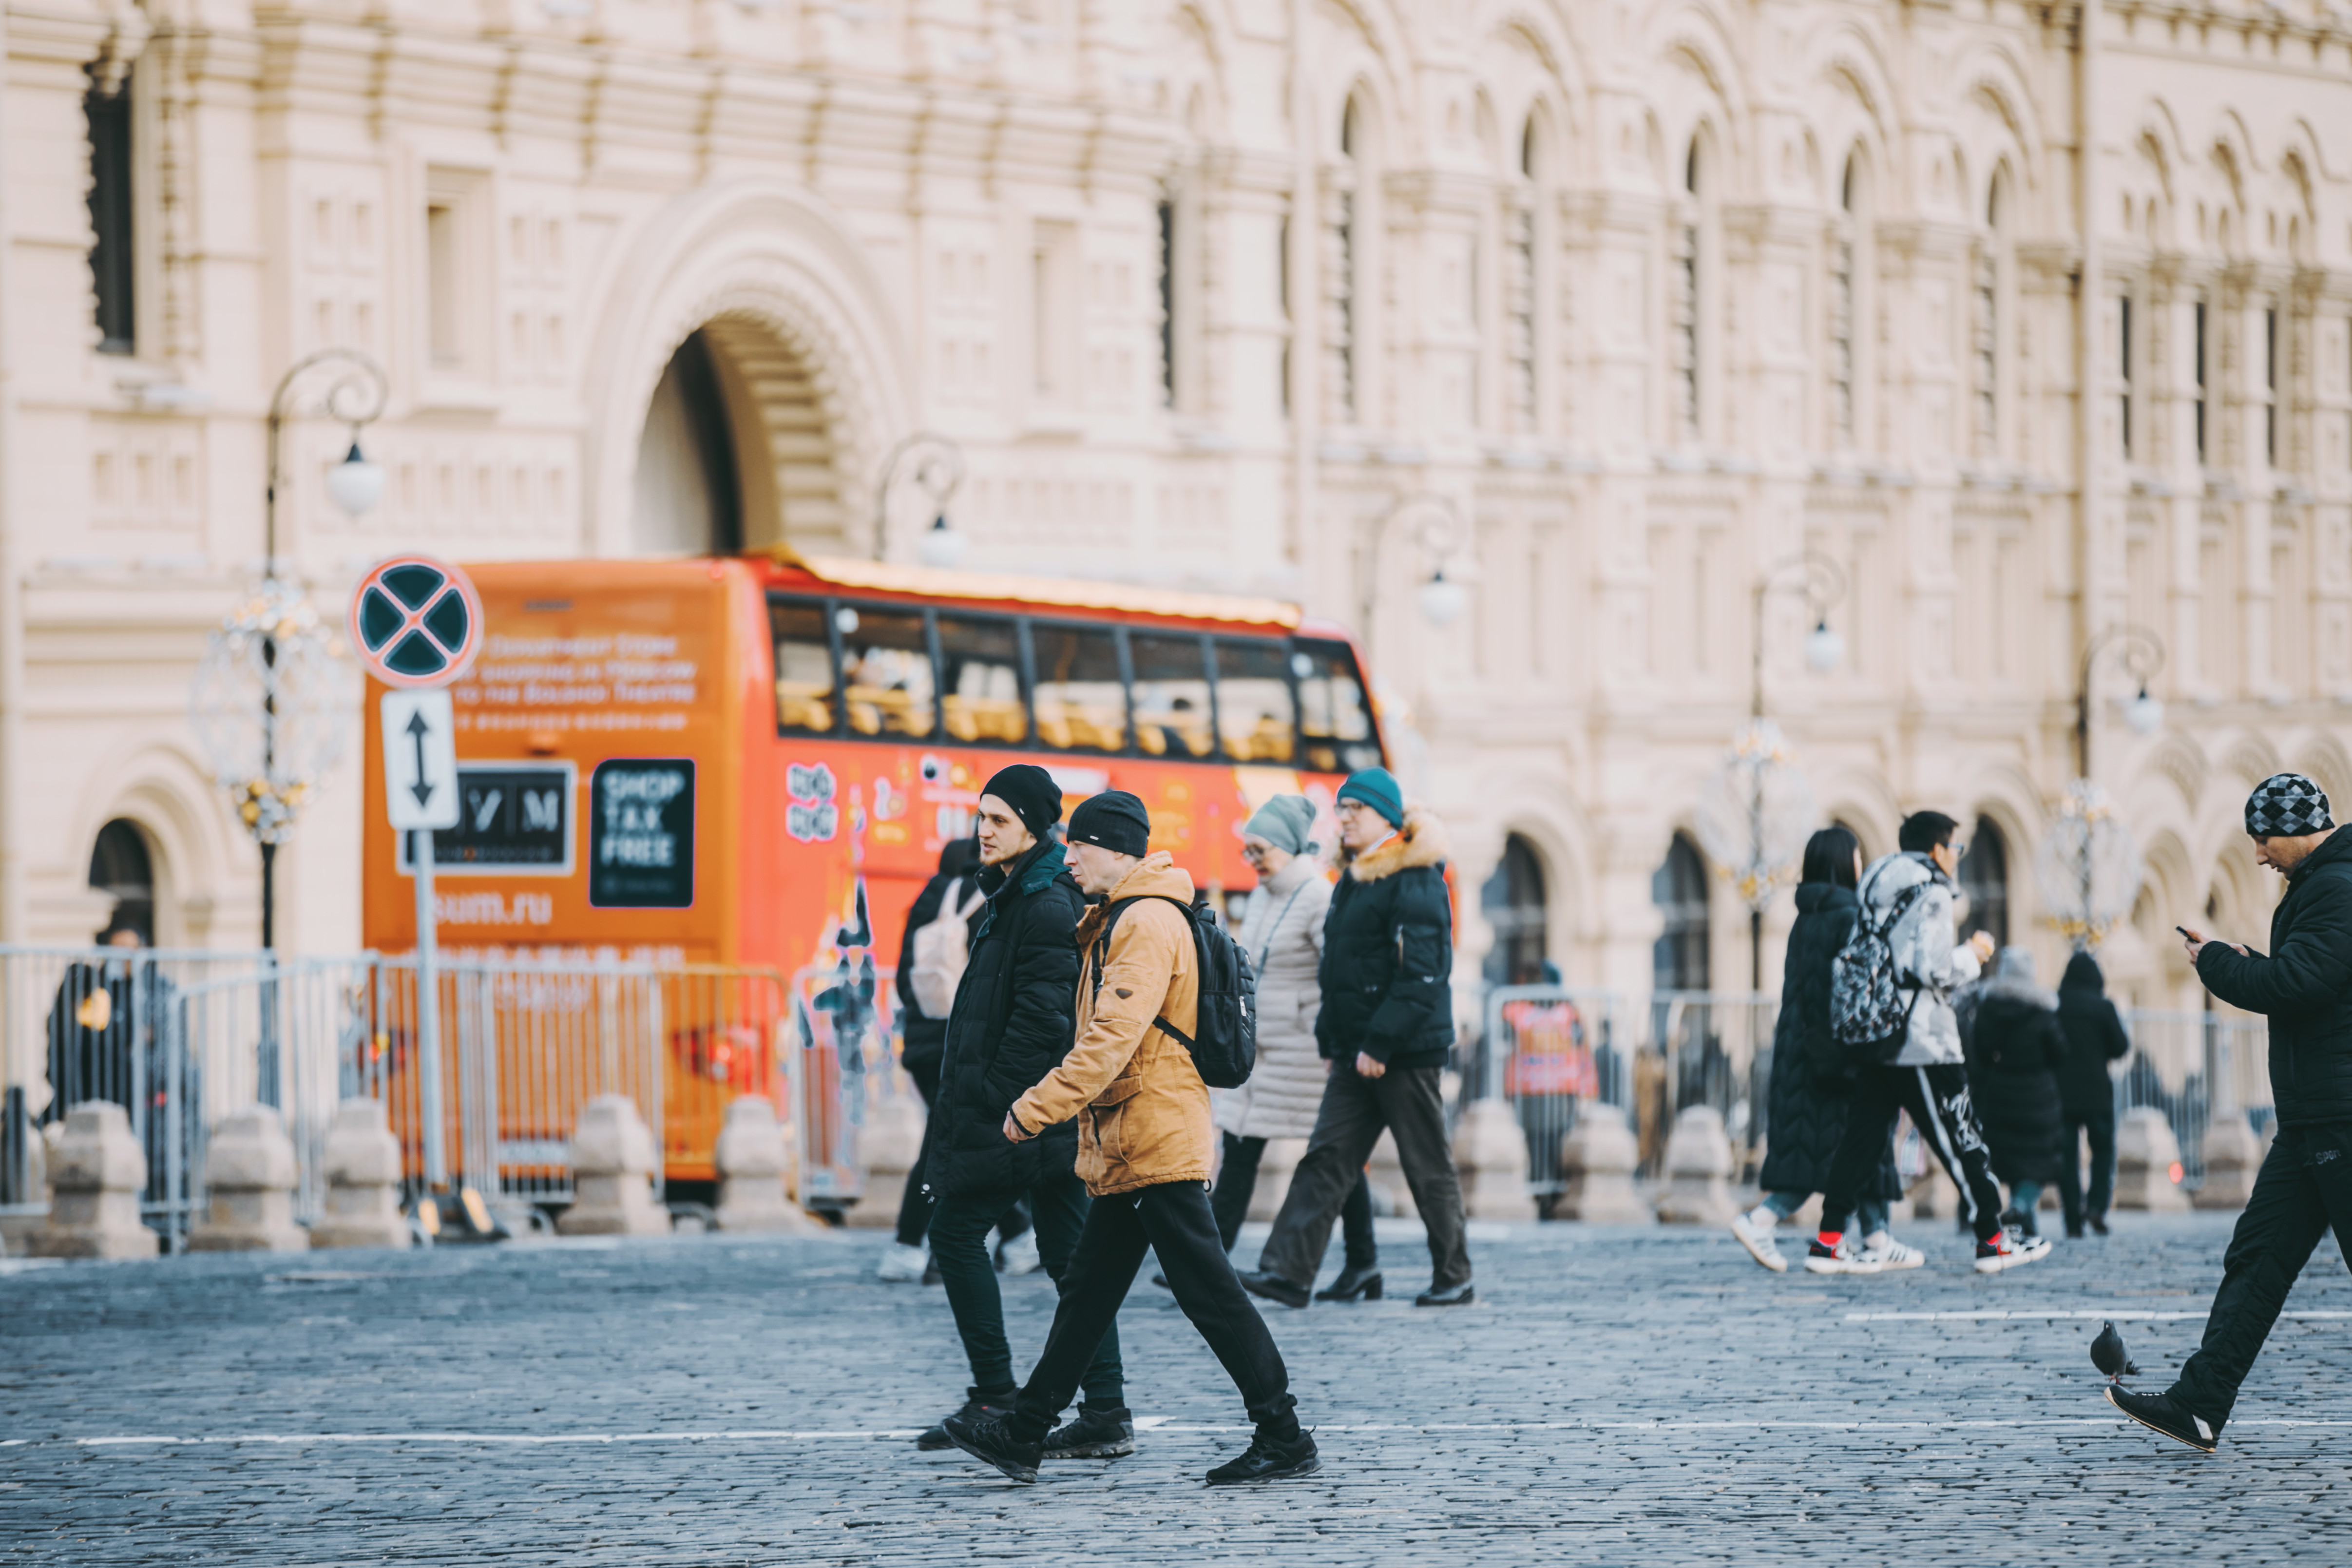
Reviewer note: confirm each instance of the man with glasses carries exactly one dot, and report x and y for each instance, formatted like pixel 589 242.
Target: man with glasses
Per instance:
pixel 1907 896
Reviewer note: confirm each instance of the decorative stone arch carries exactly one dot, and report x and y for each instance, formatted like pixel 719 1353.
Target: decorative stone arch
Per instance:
pixel 195 849
pixel 2322 758
pixel 811 366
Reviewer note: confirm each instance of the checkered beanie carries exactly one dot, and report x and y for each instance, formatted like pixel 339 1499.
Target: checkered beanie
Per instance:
pixel 2287 806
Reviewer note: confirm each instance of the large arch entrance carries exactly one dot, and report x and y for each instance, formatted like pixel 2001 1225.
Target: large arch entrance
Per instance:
pixel 739 448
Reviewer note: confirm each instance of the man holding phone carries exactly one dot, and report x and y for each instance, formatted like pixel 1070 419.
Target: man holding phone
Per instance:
pixel 2304 987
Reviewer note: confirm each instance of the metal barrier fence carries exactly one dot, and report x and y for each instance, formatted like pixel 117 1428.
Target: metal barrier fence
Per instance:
pixel 2195 1066
pixel 1547 1051
pixel 180 1039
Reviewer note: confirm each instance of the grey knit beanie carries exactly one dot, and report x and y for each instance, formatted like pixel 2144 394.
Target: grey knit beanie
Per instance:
pixel 2287 806
pixel 1284 822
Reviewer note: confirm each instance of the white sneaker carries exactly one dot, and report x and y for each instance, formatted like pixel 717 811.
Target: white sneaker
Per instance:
pixel 1840 1259
pixel 2010 1250
pixel 1019 1256
pixel 902 1265
pixel 1883 1252
pixel 1757 1237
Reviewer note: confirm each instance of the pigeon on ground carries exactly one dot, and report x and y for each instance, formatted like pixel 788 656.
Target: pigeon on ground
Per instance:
pixel 2107 1353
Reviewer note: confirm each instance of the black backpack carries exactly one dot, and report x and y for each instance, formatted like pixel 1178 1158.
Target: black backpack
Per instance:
pixel 1224 1049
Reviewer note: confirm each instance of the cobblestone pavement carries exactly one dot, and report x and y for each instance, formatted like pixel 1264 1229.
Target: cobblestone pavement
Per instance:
pixel 1617 1396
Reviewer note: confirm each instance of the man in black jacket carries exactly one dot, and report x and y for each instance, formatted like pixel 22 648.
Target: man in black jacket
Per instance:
pixel 2305 987
pixel 2086 1094
pixel 1013 1020
pixel 1386 1030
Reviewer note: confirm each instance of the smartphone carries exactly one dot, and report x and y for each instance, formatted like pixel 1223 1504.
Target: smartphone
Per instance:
pixel 2184 932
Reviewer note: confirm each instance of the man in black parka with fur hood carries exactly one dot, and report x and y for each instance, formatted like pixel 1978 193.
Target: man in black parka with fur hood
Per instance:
pixel 1386 1029
pixel 2304 987
pixel 1014 1018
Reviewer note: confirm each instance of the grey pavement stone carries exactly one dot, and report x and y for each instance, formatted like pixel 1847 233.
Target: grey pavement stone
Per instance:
pixel 1617 1396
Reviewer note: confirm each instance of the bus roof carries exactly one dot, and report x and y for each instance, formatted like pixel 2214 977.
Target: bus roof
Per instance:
pixel 932 582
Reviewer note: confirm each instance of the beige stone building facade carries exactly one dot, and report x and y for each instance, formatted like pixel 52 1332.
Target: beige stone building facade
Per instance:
pixel 1656 298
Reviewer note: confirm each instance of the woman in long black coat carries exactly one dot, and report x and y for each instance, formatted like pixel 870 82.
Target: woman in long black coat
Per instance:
pixel 2086 1094
pixel 1807 1102
pixel 2015 1047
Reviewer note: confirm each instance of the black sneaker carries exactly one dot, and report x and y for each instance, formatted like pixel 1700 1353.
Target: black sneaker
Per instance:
pixel 936 1441
pixel 2162 1413
pixel 1269 1459
pixel 989 1441
pixel 1093 1435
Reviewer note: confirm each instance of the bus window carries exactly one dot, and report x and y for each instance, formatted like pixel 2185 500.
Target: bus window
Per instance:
pixel 1334 721
pixel 885 671
pixel 804 665
pixel 1172 695
pixel 980 660
pixel 1254 706
pixel 1081 702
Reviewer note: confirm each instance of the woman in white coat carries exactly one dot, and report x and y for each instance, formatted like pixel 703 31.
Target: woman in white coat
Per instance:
pixel 1282 932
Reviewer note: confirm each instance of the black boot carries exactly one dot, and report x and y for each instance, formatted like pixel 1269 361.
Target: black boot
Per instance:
pixel 1460 1295
pixel 1093 1435
pixel 1274 1287
pixel 975 1403
pixel 1354 1284
pixel 1269 1459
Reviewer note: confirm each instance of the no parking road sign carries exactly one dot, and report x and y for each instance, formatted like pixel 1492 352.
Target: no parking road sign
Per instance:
pixel 417 621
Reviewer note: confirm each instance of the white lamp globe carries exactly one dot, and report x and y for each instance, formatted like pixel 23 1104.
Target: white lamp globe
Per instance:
pixel 2144 714
pixel 941 546
pixel 1442 601
pixel 1824 649
pixel 355 483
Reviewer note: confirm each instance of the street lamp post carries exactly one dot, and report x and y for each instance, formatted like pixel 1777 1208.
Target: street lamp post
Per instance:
pixel 934 465
pixel 1438 533
pixel 1757 808
pixel 2089 866
pixel 266 705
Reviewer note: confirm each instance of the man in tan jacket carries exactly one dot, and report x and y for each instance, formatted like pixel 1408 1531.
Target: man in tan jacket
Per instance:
pixel 1144 1132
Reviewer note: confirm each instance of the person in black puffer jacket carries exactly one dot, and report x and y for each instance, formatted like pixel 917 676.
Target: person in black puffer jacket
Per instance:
pixel 1387 1029
pixel 1806 1105
pixel 926 1040
pixel 2304 987
pixel 2009 1026
pixel 2086 1094
pixel 1014 1018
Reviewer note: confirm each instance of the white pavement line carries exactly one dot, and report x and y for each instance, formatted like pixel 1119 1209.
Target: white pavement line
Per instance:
pixel 2119 1314
pixel 1159 1424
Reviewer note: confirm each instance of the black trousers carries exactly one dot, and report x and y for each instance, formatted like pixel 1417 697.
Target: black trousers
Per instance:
pixel 915 1204
pixel 1938 1099
pixel 2101 1128
pixel 1238 1183
pixel 2304 1188
pixel 1173 1221
pixel 1406 1100
pixel 959 1228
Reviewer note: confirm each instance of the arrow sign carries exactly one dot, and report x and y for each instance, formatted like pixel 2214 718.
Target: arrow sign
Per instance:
pixel 420 760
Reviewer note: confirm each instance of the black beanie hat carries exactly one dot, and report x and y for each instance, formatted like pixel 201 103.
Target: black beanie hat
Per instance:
pixel 1114 819
pixel 1032 794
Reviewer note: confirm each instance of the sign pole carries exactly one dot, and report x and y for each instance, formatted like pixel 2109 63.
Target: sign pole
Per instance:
pixel 429 1014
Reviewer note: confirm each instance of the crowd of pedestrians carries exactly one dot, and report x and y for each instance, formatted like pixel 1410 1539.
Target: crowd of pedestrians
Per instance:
pixel 1069 1086
pixel 1054 984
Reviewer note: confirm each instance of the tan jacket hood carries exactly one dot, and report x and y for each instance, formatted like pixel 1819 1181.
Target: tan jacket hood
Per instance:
pixel 1420 842
pixel 1141 1109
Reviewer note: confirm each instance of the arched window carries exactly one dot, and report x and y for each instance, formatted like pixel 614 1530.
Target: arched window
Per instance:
pixel 1984 878
pixel 1513 903
pixel 688 497
pixel 120 869
pixel 1679 961
pixel 1340 262
pixel 1686 275
pixel 1519 288
pixel 1843 309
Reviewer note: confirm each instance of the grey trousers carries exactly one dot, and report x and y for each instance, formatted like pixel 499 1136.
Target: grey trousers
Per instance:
pixel 1355 1108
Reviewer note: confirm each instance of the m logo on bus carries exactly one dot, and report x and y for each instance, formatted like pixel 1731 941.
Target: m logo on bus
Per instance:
pixel 811 815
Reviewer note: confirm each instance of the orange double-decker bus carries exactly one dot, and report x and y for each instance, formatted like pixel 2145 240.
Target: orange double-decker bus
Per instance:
pixel 756 762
